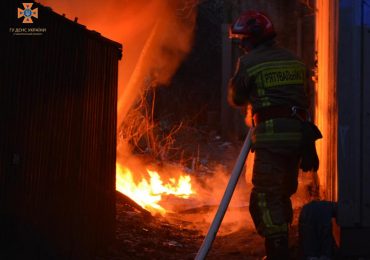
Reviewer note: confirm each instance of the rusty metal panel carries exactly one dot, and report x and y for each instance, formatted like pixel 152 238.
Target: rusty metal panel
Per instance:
pixel 58 95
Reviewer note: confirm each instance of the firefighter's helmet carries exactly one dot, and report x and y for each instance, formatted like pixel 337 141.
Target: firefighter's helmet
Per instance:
pixel 253 26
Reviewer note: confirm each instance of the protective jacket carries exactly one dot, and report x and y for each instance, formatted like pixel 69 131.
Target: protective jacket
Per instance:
pixel 267 77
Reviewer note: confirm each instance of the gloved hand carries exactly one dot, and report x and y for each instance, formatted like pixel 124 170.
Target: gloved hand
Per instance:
pixel 310 160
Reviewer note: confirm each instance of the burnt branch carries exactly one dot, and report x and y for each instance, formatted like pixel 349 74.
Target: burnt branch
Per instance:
pixel 143 132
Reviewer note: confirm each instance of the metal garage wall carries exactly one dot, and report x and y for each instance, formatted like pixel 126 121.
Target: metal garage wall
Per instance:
pixel 58 95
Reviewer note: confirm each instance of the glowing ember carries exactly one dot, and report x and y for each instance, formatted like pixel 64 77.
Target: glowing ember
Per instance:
pixel 148 192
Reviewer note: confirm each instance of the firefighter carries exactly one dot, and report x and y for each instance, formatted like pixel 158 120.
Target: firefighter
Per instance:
pixel 273 81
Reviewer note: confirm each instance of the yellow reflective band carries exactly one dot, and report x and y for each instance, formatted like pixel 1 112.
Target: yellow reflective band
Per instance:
pixel 278 73
pixel 274 77
pixel 266 104
pixel 269 227
pixel 269 124
pixel 259 80
pixel 273 64
pixel 260 92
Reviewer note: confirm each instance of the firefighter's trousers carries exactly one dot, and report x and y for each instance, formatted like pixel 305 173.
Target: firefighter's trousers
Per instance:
pixel 275 179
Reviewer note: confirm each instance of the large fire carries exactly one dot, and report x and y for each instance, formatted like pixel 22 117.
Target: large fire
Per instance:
pixel 156 36
pixel 148 191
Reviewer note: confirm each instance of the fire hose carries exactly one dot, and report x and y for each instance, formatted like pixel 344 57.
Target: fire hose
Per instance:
pixel 237 170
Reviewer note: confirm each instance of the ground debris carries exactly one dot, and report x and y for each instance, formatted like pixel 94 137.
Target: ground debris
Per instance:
pixel 139 236
pixel 179 235
pixel 172 243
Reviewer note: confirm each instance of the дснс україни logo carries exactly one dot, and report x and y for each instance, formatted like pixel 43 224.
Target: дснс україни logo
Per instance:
pixel 28 13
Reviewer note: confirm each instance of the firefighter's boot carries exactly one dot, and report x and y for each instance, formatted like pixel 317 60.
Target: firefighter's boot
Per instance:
pixel 277 248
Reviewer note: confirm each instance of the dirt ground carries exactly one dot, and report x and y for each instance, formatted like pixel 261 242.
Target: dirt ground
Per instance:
pixel 139 235
pixel 142 236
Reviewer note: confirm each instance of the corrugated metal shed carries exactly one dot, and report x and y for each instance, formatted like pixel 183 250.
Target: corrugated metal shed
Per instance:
pixel 58 95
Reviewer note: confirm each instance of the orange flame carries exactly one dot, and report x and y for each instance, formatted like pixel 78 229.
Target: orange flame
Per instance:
pixel 326 109
pixel 156 36
pixel 148 192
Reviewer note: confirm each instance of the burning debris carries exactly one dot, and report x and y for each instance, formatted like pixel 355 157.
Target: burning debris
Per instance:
pixel 149 190
pixel 142 236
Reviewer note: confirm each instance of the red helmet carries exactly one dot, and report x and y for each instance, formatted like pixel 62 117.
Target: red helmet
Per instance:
pixel 254 26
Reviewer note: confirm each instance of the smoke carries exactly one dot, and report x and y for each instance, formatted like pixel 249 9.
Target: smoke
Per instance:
pixel 237 215
pixel 156 36
pixel 199 211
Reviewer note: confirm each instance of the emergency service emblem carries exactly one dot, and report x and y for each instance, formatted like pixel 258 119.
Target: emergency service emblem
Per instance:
pixel 27 13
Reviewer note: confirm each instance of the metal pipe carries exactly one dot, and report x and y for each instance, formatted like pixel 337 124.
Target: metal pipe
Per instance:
pixel 238 167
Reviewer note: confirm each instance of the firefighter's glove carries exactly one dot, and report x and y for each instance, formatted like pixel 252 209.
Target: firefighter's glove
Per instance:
pixel 310 160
